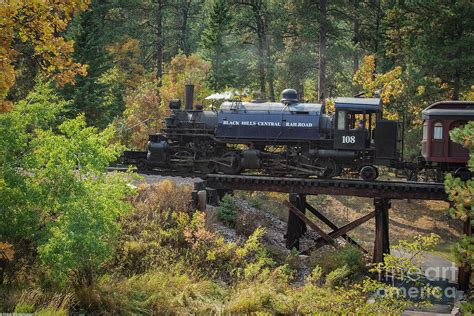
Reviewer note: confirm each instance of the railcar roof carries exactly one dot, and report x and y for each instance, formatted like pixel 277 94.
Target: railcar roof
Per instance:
pixel 450 109
pixel 272 106
pixel 367 104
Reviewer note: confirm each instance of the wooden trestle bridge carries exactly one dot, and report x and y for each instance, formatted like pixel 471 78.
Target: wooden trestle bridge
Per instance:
pixel 214 185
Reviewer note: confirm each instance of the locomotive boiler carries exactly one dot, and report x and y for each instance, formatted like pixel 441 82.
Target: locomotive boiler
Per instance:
pixel 286 138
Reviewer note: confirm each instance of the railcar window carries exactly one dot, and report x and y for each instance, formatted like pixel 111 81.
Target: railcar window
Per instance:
pixel 425 130
pixel 341 120
pixel 438 131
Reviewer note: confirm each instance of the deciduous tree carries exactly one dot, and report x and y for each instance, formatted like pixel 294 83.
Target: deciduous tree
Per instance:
pixel 38 24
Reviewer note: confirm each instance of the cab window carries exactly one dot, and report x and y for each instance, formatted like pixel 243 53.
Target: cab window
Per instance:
pixel 425 130
pixel 341 120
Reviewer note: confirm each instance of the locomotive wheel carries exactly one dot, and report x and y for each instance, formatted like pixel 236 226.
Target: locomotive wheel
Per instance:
pixel 230 163
pixel 331 168
pixel 368 173
pixel 462 173
pixel 142 165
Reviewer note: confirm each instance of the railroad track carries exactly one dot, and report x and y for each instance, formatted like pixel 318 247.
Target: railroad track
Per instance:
pixel 372 189
pixel 349 187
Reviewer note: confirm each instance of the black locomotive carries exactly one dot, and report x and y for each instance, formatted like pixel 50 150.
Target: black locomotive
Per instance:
pixel 288 138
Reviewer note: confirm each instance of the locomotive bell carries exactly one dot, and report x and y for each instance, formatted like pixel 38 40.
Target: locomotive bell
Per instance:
pixel 289 96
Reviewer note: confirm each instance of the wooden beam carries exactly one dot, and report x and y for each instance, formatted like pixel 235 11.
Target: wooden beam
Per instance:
pixel 333 226
pixel 313 226
pixel 295 226
pixel 346 228
pixel 382 244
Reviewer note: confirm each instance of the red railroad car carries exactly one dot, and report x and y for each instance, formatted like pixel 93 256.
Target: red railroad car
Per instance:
pixel 437 148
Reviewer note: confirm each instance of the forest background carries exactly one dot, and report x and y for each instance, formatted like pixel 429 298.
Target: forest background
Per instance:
pixel 139 54
pixel 79 79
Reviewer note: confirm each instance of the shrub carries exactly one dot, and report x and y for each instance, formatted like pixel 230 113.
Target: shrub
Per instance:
pixel 164 195
pixel 228 210
pixel 154 235
pixel 329 259
pixel 337 276
pixel 461 193
pixel 59 205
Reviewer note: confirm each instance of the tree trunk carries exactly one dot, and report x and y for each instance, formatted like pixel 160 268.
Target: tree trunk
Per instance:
pixel 261 57
pixel 159 41
pixel 184 27
pixel 322 51
pixel 355 39
pixel 457 85
pixel 261 73
pixel 271 86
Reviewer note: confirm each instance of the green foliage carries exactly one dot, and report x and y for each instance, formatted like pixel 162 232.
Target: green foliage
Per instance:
pixel 462 194
pixel 348 258
pixel 412 145
pixel 467 307
pixel 215 46
pixel 409 256
pixel 56 194
pixel 227 210
pixel 24 308
pixel 184 268
pixel 337 276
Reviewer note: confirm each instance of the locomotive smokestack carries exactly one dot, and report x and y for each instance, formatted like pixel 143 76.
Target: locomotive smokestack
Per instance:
pixel 188 96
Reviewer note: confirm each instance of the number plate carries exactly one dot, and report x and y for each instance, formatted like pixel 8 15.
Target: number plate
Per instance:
pixel 349 139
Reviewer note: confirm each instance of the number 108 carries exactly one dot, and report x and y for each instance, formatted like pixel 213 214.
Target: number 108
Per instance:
pixel 348 139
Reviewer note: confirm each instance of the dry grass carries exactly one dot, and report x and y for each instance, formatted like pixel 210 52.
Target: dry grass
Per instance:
pixel 35 300
pixel 163 195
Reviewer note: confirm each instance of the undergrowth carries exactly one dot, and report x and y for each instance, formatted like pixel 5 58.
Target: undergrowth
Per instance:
pixel 167 262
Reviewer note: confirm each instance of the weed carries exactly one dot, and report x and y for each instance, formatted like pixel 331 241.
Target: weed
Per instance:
pixel 228 210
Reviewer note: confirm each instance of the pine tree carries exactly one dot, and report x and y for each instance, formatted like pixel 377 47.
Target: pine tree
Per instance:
pixel 90 92
pixel 215 48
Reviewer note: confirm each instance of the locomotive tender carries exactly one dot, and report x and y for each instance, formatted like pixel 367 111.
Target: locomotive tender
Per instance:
pixel 290 138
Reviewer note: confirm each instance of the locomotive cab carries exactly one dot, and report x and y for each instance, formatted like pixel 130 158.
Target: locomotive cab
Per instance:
pixel 355 121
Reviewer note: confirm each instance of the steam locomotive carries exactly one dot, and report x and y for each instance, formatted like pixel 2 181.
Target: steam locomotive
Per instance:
pixel 290 138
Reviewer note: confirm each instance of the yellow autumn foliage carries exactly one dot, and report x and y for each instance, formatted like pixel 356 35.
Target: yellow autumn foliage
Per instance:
pixel 147 105
pixel 38 23
pixel 388 84
pixel 126 55
pixel 183 70
pixel 6 251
